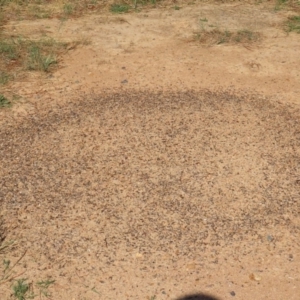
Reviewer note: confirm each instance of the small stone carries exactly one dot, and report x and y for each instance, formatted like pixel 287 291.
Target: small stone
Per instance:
pixel 191 266
pixel 124 81
pixel 232 293
pixel 139 255
pixel 255 277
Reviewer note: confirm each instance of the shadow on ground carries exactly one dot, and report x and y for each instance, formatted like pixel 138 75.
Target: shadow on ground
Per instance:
pixel 198 297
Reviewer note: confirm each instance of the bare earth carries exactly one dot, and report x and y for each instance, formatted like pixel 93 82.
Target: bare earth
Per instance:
pixel 153 165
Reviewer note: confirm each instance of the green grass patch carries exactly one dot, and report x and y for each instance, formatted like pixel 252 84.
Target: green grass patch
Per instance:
pixel 13 10
pixel 9 49
pixel 145 2
pixel 20 54
pixel 21 290
pixel 39 12
pixel 38 55
pixel 25 9
pixel 119 8
pixel 43 287
pixel 246 36
pixel 68 9
pixel 280 4
pixel 41 55
pixel 290 4
pixel 4 102
pixel 293 24
pixel 4 77
pixel 37 61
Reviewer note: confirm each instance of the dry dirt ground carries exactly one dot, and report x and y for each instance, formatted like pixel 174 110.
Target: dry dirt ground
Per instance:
pixel 150 165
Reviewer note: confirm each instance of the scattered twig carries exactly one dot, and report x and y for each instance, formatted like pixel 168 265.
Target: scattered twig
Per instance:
pixel 11 278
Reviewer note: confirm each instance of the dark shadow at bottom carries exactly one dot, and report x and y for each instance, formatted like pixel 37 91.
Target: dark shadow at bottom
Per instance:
pixel 197 297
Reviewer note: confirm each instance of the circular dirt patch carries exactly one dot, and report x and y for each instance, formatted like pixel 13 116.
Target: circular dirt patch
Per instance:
pixel 192 175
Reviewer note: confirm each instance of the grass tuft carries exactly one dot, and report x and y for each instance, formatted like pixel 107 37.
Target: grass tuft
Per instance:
pixel 280 4
pixel 4 77
pixel 216 36
pixel 119 8
pixel 39 62
pixel 4 102
pixel 68 9
pixel 291 4
pixel 8 49
pixel 43 287
pixel 246 36
pixel 21 290
pixel 36 55
pixel 293 24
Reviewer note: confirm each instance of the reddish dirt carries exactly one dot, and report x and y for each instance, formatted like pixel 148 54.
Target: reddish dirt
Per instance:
pixel 153 165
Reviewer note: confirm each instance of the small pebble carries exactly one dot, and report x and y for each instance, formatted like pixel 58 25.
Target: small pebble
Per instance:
pixel 139 255
pixel 255 277
pixel 232 293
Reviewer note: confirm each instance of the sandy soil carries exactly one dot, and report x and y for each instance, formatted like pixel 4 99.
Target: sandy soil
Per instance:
pixel 153 165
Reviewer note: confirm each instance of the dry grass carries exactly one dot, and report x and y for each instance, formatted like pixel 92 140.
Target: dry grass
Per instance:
pixel 63 9
pixel 287 4
pixel 217 36
pixel 39 9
